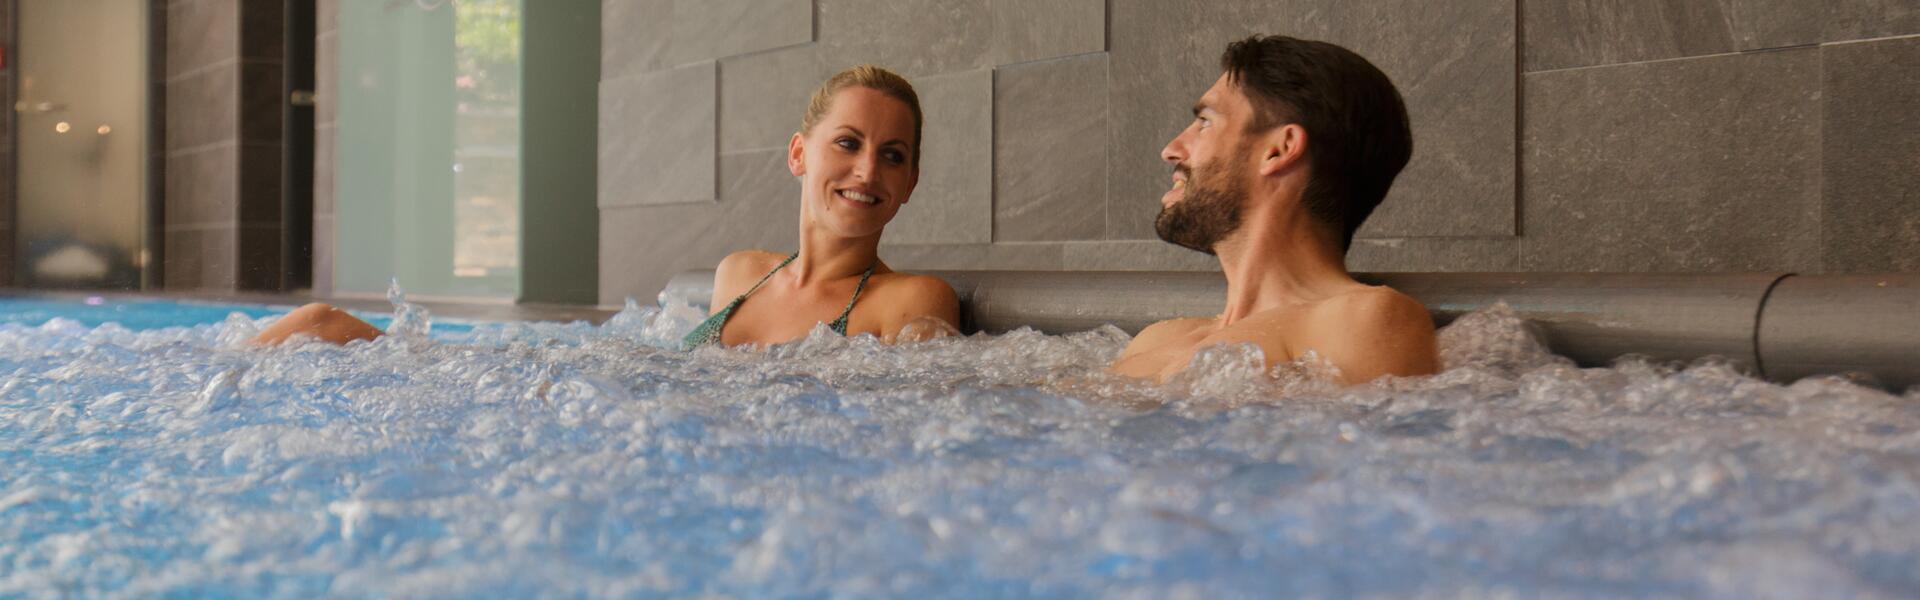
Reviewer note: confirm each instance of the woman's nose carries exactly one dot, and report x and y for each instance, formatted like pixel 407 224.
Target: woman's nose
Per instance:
pixel 864 164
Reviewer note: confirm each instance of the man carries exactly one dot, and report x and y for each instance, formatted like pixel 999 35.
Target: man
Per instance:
pixel 1288 153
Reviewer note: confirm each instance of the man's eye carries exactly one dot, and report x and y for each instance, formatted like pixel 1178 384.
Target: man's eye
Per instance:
pixel 1204 122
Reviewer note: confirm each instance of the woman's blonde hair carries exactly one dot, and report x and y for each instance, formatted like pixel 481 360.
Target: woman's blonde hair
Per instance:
pixel 872 77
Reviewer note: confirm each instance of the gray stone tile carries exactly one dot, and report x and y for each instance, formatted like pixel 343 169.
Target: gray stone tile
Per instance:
pixel 200 187
pixel 1035 256
pixel 323 246
pixel 953 202
pixel 263 30
pixel 763 96
pixel 259 191
pixel 657 137
pixel 1871 156
pixel 757 189
pixel 1143 255
pixel 258 264
pixel 200 259
pixel 1867 19
pixel 1578 33
pixel 1434 255
pixel 201 108
pixel 1708 164
pixel 1453 63
pixel 634 35
pixel 921 37
pixel 200 34
pixel 643 246
pixel 1029 30
pixel 326 78
pixel 1050 171
pixel 261 102
pixel 705 30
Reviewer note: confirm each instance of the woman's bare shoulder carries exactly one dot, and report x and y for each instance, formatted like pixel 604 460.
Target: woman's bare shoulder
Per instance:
pixel 738 271
pixel 908 296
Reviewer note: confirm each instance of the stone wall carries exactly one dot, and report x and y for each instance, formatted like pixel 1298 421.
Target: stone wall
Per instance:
pixel 223 106
pixel 1570 135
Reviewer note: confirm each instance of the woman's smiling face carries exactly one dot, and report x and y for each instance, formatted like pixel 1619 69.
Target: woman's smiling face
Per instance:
pixel 856 166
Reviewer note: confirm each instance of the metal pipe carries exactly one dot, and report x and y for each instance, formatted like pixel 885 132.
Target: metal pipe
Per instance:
pixel 1781 326
pixel 1819 324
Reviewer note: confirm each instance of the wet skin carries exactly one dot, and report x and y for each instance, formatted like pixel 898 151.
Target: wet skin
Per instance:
pixel 1288 289
pixel 856 170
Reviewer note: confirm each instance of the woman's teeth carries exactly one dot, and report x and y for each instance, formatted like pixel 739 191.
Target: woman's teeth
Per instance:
pixel 858 197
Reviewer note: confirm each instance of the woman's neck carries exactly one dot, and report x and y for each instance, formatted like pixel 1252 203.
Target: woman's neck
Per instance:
pixel 825 256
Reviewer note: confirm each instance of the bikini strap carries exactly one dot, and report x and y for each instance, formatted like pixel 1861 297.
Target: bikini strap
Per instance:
pixel 709 330
pixel 840 325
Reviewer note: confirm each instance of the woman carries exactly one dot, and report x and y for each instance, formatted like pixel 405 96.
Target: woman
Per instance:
pixel 857 156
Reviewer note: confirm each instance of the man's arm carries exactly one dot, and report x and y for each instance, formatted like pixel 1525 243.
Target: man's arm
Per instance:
pixel 1374 333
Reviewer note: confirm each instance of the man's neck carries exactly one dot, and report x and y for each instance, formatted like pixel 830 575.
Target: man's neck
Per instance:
pixel 1275 261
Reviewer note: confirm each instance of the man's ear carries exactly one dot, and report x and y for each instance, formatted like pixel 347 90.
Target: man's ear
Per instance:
pixel 796 155
pixel 1286 146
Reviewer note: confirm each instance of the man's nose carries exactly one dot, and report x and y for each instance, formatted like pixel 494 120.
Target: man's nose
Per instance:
pixel 1175 151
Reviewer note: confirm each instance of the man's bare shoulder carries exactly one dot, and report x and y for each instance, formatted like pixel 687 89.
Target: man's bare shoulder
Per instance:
pixel 1375 305
pixel 1158 334
pixel 1373 331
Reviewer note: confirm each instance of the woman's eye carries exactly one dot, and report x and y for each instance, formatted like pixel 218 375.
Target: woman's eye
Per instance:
pixel 848 143
pixel 896 157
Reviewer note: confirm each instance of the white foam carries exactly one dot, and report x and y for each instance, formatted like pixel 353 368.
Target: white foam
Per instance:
pixel 567 459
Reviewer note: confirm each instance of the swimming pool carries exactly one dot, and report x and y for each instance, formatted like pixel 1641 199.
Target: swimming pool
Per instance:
pixel 533 459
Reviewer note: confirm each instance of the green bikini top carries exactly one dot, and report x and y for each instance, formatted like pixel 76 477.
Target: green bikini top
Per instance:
pixel 709 331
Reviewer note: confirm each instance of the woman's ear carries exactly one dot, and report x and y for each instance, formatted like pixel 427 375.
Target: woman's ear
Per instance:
pixel 796 155
pixel 1285 146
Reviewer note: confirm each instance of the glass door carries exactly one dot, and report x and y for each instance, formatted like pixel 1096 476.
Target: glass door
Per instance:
pixel 428 173
pixel 83 149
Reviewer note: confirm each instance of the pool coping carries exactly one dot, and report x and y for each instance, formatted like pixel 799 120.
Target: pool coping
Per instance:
pixel 474 311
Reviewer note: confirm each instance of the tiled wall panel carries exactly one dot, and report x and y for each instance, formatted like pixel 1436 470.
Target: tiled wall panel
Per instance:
pixel 1695 165
pixel 1584 135
pixel 1870 217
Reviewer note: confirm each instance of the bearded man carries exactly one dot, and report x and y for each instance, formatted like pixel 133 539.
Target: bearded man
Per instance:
pixel 1288 153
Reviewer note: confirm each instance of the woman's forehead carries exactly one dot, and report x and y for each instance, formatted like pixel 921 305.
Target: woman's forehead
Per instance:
pixel 871 111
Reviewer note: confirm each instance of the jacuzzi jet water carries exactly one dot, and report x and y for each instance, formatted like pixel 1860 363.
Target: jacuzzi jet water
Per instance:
pixel 528 459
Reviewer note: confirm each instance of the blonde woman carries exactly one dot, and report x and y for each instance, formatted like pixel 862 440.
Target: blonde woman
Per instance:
pixel 857 157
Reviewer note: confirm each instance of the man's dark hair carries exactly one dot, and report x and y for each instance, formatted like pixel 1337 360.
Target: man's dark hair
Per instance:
pixel 1358 137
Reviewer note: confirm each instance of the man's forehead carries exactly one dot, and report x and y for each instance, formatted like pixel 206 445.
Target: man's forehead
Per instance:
pixel 1219 96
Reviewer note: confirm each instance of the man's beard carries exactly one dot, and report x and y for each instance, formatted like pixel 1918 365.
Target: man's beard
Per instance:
pixel 1208 212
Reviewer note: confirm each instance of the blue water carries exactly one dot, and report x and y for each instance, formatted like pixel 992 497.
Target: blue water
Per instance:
pixel 140 314
pixel 519 460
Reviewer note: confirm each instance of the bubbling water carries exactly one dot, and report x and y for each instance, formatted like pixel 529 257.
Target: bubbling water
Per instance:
pixel 525 459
